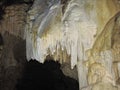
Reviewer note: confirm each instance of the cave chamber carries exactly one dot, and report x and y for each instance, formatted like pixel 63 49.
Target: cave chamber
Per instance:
pixel 60 43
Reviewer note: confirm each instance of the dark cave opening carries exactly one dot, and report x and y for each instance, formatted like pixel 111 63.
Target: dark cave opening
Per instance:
pixel 47 76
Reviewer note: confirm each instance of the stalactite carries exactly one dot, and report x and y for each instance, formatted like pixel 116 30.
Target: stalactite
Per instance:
pixel 84 28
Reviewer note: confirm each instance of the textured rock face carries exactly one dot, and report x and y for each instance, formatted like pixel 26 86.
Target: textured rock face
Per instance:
pixel 116 48
pixel 14 19
pixel 81 19
pixel 12 46
pixel 12 61
pixel 80 34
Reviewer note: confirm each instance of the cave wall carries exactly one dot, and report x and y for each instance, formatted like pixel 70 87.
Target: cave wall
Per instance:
pixel 12 61
pixel 14 19
pixel 115 47
pixel 12 48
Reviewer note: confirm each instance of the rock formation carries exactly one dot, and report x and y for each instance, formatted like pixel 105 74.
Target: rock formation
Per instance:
pixel 81 35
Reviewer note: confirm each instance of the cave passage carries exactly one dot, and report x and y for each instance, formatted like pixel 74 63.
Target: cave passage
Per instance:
pixel 47 76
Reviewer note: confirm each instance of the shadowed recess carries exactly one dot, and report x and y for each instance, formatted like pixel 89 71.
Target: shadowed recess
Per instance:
pixel 47 76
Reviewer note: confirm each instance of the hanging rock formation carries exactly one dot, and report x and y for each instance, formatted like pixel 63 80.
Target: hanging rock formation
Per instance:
pixel 80 34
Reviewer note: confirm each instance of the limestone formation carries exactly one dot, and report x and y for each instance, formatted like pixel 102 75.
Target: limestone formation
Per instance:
pixel 12 47
pixel 100 79
pixel 80 34
pixel 77 33
pixel 14 19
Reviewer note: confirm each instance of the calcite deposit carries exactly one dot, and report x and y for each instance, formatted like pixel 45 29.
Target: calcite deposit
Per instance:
pixel 82 34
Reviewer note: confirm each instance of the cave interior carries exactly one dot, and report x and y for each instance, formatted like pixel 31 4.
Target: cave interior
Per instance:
pixel 59 45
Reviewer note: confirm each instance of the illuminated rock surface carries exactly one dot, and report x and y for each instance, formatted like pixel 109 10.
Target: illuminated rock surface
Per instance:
pixel 82 34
